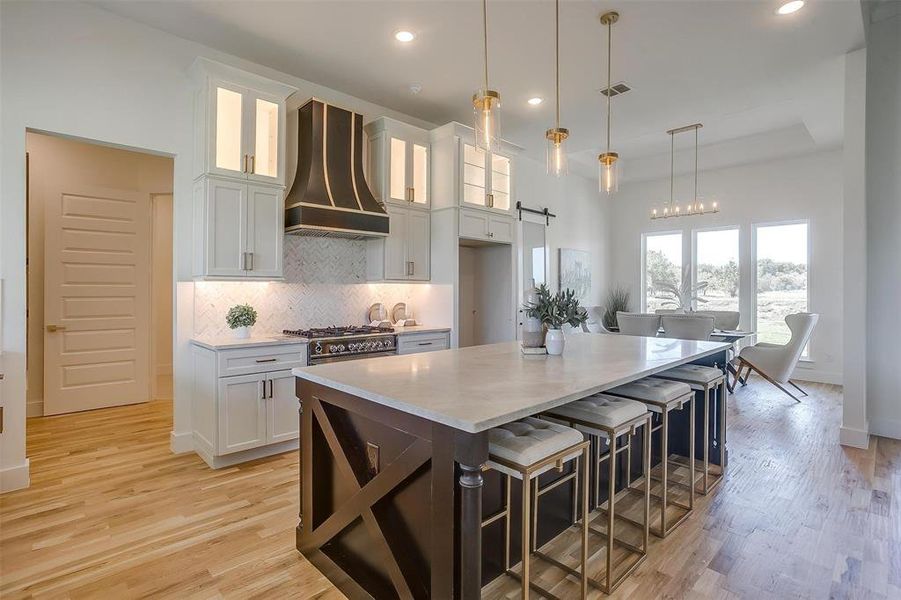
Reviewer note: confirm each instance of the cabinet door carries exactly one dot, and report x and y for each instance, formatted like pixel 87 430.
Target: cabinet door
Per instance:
pixel 242 413
pixel 474 175
pixel 419 176
pixel 265 231
pixel 264 129
pixel 228 130
pixel 283 418
pixel 418 244
pixel 500 182
pixel 398 182
pixel 500 229
pixel 473 224
pixel 226 228
pixel 396 244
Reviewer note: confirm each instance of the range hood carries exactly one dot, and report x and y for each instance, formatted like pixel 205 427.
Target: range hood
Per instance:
pixel 330 196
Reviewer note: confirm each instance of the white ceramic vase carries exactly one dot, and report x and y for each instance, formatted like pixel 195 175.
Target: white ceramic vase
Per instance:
pixel 241 333
pixel 554 342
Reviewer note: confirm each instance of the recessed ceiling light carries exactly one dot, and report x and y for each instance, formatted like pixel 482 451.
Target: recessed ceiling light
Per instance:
pixel 408 36
pixel 535 101
pixel 790 7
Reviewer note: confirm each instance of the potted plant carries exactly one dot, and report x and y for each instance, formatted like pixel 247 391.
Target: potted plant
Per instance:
pixel 554 311
pixel 618 300
pixel 240 319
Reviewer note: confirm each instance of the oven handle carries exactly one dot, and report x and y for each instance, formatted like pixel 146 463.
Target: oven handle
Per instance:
pixel 329 359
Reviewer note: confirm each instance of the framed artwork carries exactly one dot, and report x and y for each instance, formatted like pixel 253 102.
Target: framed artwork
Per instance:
pixel 575 272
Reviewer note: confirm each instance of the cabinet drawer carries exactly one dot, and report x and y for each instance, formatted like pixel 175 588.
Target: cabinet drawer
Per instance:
pixel 500 229
pixel 422 342
pixel 245 361
pixel 473 224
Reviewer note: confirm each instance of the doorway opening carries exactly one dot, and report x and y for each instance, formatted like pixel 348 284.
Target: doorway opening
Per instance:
pixel 99 269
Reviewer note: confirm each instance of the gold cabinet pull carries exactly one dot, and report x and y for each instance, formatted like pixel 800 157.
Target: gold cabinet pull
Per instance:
pixel 253 164
pixel 55 328
pixel 245 164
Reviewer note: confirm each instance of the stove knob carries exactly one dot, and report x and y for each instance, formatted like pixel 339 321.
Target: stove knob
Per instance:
pixel 318 348
pixel 351 347
pixel 389 342
pixel 340 347
pixel 332 349
pixel 379 345
pixel 367 346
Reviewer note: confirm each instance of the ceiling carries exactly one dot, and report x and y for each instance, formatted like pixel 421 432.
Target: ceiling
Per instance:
pixel 734 65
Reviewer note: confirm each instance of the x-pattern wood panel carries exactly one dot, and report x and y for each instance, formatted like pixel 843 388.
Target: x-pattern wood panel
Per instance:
pixel 360 504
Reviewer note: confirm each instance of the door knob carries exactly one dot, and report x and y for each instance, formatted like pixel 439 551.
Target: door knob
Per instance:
pixel 55 328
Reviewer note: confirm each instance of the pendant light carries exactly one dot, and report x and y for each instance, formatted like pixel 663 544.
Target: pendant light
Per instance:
pixel 486 103
pixel 696 207
pixel 608 162
pixel 556 154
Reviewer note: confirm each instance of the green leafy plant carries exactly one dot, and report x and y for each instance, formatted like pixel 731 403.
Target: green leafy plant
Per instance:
pixel 681 295
pixel 618 300
pixel 242 315
pixel 556 310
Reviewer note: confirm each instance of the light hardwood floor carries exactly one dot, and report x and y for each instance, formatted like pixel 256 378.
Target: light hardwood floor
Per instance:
pixel 112 514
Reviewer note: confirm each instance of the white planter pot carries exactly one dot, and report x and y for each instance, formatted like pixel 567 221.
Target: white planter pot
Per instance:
pixel 241 333
pixel 555 342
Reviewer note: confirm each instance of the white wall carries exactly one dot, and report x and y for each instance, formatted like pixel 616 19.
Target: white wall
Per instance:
pixel 883 213
pixel 807 187
pixel 77 70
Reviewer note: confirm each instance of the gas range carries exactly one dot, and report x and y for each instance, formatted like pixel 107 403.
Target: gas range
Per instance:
pixel 332 344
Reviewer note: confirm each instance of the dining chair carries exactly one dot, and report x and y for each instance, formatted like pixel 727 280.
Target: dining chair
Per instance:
pixel 595 322
pixel 687 327
pixel 776 362
pixel 669 311
pixel 722 319
pixel 638 324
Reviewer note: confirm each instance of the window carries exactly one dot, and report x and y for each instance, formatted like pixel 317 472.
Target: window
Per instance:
pixel 662 270
pixel 716 263
pixel 782 278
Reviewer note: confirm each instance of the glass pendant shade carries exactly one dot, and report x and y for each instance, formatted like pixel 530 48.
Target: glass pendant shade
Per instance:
pixel 608 173
pixel 556 151
pixel 486 108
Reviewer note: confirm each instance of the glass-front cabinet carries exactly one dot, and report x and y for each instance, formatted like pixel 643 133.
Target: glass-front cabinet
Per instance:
pixel 486 178
pixel 398 162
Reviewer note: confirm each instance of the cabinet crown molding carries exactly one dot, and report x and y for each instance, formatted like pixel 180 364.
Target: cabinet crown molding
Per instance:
pixel 203 68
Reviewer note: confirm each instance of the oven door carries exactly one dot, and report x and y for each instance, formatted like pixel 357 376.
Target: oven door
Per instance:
pixel 333 359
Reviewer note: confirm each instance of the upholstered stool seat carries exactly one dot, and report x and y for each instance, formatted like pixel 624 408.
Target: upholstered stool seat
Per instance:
pixel 697 374
pixel 529 441
pixel 601 410
pixel 524 450
pixel 654 391
pixel 662 396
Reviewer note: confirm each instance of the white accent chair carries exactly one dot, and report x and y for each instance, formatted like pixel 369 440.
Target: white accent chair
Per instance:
pixel 724 320
pixel 595 322
pixel 775 362
pixel 687 327
pixel 638 324
pixel 669 311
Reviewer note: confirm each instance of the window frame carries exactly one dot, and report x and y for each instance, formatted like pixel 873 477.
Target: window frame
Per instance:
pixel 694 258
pixel 807 355
pixel 643 307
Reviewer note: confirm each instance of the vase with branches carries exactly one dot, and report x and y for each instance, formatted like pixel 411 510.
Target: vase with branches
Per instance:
pixel 554 311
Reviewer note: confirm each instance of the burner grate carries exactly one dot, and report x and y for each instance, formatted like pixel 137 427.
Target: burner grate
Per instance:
pixel 337 331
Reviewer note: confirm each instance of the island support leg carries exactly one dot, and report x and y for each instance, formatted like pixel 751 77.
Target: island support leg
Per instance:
pixel 471 454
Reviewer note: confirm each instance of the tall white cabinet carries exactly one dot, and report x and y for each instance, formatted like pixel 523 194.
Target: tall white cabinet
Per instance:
pixel 239 169
pixel 399 174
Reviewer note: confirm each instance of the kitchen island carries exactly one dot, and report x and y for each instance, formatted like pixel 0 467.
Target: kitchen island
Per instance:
pixel 392 451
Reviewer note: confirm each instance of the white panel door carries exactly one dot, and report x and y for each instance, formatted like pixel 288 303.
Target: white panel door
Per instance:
pixel 242 412
pixel 228 130
pixel 282 412
pixel 395 244
pixel 96 299
pixel 500 229
pixel 226 227
pixel 265 123
pixel 418 244
pixel 265 230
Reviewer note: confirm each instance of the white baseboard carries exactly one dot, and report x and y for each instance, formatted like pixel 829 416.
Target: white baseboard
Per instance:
pixel 34 408
pixel 15 478
pixel 815 375
pixel 179 443
pixel 856 438
pixel 227 460
pixel 890 428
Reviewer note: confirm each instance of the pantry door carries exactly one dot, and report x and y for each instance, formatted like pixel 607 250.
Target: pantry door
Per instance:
pixel 97 272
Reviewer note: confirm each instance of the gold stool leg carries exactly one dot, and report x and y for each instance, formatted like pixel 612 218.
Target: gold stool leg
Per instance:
pixel 507 526
pixel 664 454
pixel 526 534
pixel 647 488
pixel 611 499
pixel 534 484
pixel 585 466
pixel 706 439
pixel 691 452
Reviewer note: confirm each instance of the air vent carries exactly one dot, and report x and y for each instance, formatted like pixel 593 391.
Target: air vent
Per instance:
pixel 616 89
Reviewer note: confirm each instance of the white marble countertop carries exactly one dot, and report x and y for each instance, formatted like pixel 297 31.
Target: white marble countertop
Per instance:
pixel 474 389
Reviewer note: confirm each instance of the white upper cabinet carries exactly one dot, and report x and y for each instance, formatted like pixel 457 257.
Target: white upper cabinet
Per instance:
pixel 405 254
pixel 465 176
pixel 398 162
pixel 240 120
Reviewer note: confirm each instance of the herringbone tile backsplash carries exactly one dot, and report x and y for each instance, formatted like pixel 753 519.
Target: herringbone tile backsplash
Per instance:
pixel 325 284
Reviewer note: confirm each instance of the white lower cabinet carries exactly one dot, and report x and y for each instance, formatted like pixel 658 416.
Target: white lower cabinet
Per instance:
pixel 430 341
pixel 241 410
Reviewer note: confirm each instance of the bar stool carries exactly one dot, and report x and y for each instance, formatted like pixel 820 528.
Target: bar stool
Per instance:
pixel 705 379
pixel 524 450
pixel 604 416
pixel 661 397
